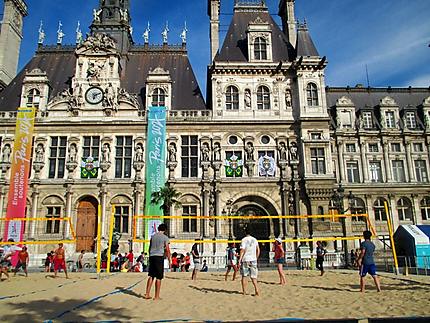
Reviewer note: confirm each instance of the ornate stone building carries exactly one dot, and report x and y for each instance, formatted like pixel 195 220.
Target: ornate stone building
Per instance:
pixel 271 138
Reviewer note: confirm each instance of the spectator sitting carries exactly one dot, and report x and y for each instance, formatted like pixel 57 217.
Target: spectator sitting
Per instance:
pixel 204 267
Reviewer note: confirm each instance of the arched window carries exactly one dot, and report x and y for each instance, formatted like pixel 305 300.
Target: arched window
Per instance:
pixel 158 98
pixel 379 209
pixel 232 98
pixel 263 98
pixel 425 208
pixel 260 48
pixel 33 98
pixel 312 94
pixel 404 209
pixel 357 207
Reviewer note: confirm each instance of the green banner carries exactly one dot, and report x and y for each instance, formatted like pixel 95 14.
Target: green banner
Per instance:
pixel 155 164
pixel 89 167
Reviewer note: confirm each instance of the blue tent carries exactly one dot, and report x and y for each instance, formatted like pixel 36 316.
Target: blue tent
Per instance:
pixel 413 241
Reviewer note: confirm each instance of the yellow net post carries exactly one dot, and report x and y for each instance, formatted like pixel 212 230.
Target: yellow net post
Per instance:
pixel 112 219
pixel 99 238
pixel 390 232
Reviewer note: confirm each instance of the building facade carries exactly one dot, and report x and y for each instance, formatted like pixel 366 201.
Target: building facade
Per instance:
pixel 271 138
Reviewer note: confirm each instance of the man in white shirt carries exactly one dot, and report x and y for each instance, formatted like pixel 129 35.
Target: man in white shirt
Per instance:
pixel 249 253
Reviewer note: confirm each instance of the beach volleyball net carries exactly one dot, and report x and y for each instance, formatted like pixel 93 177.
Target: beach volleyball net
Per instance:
pixel 38 231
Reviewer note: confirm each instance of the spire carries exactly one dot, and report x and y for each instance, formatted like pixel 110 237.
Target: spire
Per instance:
pixel 305 46
pixel 113 18
pixel 287 14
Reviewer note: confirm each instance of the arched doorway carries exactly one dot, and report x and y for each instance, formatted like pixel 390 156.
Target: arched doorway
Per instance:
pixel 86 225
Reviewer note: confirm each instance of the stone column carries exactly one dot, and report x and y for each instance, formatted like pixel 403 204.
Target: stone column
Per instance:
pixel 284 209
pixel 364 166
pixel 392 206
pixel 105 216
pixel 35 204
pixel 416 210
pixel 69 206
pixel 205 211
pixel 219 234
pixel 388 176
pixel 137 200
pixel 409 163
pixel 341 162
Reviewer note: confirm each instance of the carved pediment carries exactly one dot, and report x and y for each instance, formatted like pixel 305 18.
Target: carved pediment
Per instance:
pixel 98 43
pixel 344 101
pixel 158 71
pixel 426 101
pixel 388 101
pixel 258 21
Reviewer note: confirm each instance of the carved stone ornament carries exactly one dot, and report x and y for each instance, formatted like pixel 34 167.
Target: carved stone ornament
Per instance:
pixel 124 96
pixel 258 21
pixel 426 101
pixel 98 42
pixel 344 101
pixel 388 101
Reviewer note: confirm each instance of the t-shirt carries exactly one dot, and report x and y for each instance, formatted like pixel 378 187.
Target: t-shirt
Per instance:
pixel 195 251
pixel 159 241
pixel 369 248
pixel 231 254
pixel 320 252
pixel 23 255
pixel 249 244
pixel 279 253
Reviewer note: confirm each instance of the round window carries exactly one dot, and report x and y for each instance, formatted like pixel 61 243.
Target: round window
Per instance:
pixel 232 140
pixel 265 140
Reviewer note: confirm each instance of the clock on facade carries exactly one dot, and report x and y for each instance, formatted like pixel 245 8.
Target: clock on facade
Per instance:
pixel 94 95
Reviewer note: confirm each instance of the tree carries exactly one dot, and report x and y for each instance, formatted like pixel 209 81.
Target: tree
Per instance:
pixel 167 196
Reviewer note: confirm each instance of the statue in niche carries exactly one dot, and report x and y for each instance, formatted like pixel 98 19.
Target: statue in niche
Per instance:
pixel 293 151
pixel 247 98
pixel 249 151
pixel 5 155
pixel 282 151
pixel 123 14
pixel 172 153
pixel 110 96
pixel 106 153
pixel 288 99
pixel 40 151
pixel 72 153
pixel 138 157
pixel 205 152
pixel 217 152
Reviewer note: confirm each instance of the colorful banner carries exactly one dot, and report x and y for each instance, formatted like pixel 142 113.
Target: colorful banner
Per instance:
pixel 89 167
pixel 19 172
pixel 233 166
pixel 155 164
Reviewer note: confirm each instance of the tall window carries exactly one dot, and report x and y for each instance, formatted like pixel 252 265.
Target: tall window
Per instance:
pixel 367 120
pixel 379 209
pixel 404 209
pixel 396 147
pixel 57 157
pixel 389 119
pixel 373 148
pixel 158 98
pixel 312 94
pixel 123 155
pixel 352 172
pixel 33 98
pixel 260 48
pixel 358 207
pixel 189 156
pixel 122 218
pixel 398 171
pixel 263 98
pixel 318 161
pixel 421 171
pixel 411 122
pixel 425 208
pixel 375 171
pixel 418 147
pixel 91 147
pixel 53 225
pixel 350 148
pixel 189 225
pixel 232 98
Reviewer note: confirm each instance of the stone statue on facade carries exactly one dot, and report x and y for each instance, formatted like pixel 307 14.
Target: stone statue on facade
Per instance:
pixel 79 37
pixel 288 99
pixel 282 148
pixel 110 97
pixel 165 34
pixel 99 42
pixel 123 14
pixel 172 153
pixel 205 152
pixel 217 152
pixel 5 154
pixel 41 34
pixel 249 149
pixel 138 157
pixel 184 34
pixel 73 151
pixel 96 15
pixel 106 153
pixel 60 34
pixel 40 152
pixel 247 98
pixel 94 70
pixel 293 151
pixel 123 95
pixel 146 34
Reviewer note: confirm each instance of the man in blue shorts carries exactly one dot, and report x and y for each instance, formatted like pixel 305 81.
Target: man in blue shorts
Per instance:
pixel 366 263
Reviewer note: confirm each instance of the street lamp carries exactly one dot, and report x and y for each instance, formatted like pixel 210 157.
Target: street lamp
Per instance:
pixel 231 209
pixel 337 198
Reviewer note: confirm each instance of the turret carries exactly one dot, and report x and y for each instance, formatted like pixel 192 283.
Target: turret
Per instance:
pixel 213 13
pixel 286 12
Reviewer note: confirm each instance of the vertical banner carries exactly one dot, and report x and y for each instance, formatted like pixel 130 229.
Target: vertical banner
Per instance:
pixel 19 172
pixel 155 164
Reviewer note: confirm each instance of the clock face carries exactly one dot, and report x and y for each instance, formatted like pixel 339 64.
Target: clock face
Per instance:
pixel 94 95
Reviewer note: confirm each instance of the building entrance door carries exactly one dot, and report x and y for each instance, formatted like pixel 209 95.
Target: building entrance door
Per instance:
pixel 86 226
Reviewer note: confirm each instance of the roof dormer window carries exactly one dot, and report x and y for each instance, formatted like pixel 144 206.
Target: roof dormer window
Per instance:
pixel 158 98
pixel 33 98
pixel 260 49
pixel 312 94
pixel 390 121
pixel 411 122
pixel 259 34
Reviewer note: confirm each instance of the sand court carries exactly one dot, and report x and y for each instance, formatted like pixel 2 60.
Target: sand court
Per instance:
pixel 120 297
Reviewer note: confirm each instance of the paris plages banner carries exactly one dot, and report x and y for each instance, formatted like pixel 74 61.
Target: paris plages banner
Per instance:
pixel 20 170
pixel 155 165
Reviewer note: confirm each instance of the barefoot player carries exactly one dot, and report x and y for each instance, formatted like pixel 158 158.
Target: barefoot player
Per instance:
pixel 60 260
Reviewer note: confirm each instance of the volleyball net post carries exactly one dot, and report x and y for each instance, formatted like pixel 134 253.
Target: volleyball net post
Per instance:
pixel 390 232
pixel 111 227
pixel 99 239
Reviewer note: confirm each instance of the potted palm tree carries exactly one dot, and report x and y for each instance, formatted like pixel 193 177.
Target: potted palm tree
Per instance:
pixel 167 197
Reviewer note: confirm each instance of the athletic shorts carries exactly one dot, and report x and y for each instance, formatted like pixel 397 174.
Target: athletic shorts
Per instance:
pixel 371 269
pixel 22 265
pixel 196 261
pixel 249 268
pixel 156 267
pixel 280 261
pixel 59 264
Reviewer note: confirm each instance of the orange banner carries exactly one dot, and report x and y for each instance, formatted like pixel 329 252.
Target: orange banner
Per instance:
pixel 19 172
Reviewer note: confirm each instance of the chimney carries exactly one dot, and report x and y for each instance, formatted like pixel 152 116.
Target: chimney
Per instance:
pixel 286 12
pixel 213 13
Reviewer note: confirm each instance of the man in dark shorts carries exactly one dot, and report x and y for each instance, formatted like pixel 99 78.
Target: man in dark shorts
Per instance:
pixel 366 263
pixel 320 257
pixel 196 260
pixel 158 248
pixel 23 260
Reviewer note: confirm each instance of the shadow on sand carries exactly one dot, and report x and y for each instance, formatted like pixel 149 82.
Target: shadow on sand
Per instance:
pixel 215 290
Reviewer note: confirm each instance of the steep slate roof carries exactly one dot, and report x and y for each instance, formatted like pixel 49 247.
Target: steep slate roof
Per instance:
pixel 59 64
pixel 371 97
pixel 235 46
pixel 59 67
pixel 305 46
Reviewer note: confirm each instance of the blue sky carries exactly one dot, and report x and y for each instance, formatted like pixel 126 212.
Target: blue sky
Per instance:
pixel 391 37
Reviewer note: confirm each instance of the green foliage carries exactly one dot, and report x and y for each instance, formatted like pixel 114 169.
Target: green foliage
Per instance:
pixel 167 196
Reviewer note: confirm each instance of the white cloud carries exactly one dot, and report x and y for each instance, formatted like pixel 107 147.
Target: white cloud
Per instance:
pixel 420 81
